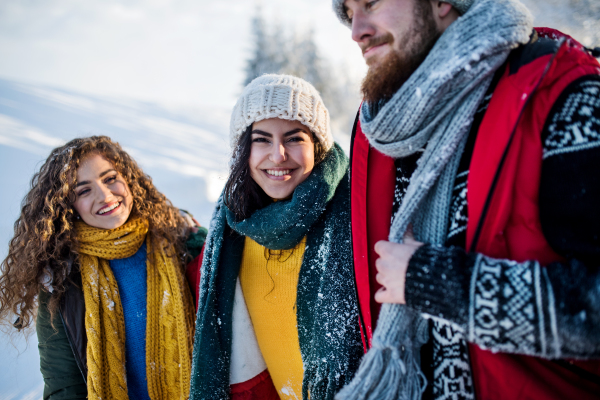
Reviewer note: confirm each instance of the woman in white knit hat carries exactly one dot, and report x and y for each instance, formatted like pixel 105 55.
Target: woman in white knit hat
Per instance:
pixel 277 315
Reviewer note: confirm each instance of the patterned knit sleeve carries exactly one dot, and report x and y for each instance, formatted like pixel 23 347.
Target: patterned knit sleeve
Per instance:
pixel 523 308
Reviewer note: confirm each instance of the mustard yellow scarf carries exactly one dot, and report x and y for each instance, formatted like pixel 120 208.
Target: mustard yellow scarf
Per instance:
pixel 170 315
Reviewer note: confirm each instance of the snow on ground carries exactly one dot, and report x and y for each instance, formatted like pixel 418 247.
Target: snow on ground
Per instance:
pixel 185 151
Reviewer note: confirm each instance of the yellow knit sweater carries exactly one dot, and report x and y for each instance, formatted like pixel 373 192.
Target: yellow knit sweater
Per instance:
pixel 269 280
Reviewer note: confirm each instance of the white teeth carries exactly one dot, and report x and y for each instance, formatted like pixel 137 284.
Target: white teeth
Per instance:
pixel 278 173
pixel 105 210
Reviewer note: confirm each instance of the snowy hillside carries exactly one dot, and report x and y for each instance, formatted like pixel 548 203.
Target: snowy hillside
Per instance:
pixel 184 151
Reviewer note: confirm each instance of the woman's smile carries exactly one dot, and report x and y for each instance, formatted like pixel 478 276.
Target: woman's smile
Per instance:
pixel 107 210
pixel 278 173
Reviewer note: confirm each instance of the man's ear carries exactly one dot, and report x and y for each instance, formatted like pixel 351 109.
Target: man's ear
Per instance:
pixel 442 9
pixel 443 14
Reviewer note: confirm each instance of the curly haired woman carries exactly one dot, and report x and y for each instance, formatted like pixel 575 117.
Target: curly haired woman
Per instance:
pixel 277 312
pixel 99 253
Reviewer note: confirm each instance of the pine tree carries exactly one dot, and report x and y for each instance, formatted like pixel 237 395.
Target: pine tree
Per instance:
pixel 276 51
pixel 267 57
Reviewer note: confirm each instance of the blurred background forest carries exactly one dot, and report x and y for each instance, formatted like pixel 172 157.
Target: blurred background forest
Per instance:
pixel 161 77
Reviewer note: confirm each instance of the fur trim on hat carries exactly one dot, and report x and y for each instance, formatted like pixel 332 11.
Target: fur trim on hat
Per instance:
pixel 338 7
pixel 281 96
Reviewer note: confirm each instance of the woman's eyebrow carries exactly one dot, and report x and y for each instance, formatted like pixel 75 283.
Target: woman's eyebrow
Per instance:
pixel 101 175
pixel 82 183
pixel 295 131
pixel 107 171
pixel 259 132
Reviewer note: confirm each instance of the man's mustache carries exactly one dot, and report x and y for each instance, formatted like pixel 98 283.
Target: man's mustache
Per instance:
pixel 376 41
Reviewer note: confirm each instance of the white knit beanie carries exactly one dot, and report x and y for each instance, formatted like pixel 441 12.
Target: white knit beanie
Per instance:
pixel 338 6
pixel 280 96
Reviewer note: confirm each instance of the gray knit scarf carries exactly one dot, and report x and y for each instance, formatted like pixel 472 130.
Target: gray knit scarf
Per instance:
pixel 433 111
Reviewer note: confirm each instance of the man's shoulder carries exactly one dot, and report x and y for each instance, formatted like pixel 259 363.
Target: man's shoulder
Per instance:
pixel 536 48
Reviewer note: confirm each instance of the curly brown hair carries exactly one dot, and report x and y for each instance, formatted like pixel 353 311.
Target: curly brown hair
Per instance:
pixel 45 236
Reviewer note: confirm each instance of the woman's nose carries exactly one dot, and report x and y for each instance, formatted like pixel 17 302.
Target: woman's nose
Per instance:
pixel 105 194
pixel 278 154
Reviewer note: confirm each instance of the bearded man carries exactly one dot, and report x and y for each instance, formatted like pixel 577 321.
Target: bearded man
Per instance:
pixel 475 203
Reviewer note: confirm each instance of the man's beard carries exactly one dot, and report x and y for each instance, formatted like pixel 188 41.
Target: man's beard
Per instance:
pixel 384 79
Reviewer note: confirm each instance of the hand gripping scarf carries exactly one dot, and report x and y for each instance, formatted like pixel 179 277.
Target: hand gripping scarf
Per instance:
pixel 433 111
pixel 327 308
pixel 169 325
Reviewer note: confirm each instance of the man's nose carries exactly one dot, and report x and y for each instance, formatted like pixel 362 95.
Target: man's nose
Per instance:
pixel 361 27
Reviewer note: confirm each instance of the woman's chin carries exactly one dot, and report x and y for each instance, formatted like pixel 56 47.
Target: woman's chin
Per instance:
pixel 279 194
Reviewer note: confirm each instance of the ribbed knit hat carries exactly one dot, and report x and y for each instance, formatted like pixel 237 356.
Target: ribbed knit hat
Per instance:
pixel 281 96
pixel 338 6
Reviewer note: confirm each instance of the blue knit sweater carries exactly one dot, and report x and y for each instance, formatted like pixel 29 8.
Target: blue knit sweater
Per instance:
pixel 131 274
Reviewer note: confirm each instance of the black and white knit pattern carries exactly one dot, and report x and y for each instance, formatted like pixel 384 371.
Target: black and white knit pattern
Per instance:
pixel 511 308
pixel 576 126
pixel 458 206
pixel 451 367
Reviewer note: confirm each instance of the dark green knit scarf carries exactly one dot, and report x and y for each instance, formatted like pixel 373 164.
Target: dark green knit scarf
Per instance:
pixel 327 309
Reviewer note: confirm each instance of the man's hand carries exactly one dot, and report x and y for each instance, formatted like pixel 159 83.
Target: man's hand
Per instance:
pixel 391 267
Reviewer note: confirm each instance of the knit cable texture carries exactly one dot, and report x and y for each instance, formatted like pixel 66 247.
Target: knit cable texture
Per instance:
pixel 284 97
pixel 169 328
pixel 433 110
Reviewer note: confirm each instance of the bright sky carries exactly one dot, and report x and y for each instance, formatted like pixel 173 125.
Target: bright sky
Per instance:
pixel 181 52
pixel 178 52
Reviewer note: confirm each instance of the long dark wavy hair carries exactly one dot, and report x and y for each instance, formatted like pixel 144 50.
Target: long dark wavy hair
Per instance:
pixel 242 195
pixel 45 236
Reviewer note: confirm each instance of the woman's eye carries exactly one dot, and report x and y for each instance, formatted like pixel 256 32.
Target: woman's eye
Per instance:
pixel 111 179
pixel 296 139
pixel 82 192
pixel 260 140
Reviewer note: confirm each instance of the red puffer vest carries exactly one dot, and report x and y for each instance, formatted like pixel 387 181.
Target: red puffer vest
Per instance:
pixel 502 197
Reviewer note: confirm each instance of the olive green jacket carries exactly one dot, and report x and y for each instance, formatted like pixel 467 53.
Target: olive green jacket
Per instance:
pixel 62 345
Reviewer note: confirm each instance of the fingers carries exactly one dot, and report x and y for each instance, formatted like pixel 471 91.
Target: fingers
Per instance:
pixel 392 254
pixel 384 295
pixel 380 278
pixel 384 248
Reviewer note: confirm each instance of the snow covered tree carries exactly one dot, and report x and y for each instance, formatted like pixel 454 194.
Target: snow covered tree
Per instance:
pixel 296 53
pixel 268 55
